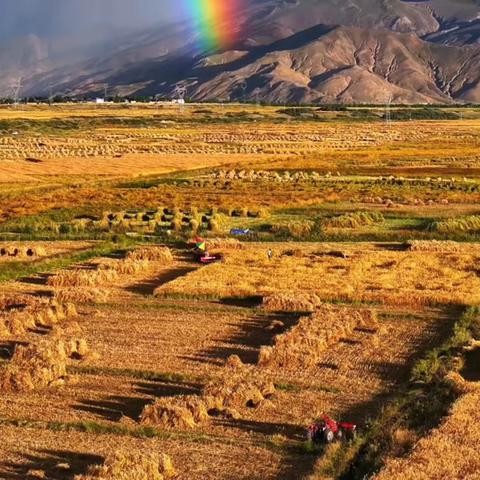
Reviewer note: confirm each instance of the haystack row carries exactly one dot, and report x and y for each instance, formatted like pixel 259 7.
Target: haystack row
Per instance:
pixel 109 272
pixel 442 246
pixel 238 388
pixel 131 466
pixel 287 302
pixel 302 345
pixel 22 251
pixel 17 317
pixel 39 366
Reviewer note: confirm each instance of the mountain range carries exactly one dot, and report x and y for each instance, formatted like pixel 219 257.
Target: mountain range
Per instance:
pixel 284 51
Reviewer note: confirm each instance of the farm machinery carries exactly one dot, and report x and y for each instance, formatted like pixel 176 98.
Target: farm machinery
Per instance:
pixel 201 254
pixel 328 430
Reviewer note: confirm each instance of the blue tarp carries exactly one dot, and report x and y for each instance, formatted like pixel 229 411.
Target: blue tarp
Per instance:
pixel 239 231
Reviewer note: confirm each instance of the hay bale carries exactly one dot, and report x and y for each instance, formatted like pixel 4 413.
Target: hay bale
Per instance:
pixel 186 411
pixel 126 266
pixel 35 366
pixel 237 390
pixel 81 295
pixel 440 246
pixel 302 345
pixel 77 348
pixel 38 251
pixel 83 278
pixel 151 254
pixel 132 466
pixel 291 302
pixel 233 361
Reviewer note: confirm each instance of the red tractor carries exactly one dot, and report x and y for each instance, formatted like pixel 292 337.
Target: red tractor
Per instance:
pixel 328 430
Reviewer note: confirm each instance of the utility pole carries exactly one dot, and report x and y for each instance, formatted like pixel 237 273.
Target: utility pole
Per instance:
pixel 16 87
pixel 179 96
pixel 243 86
pixel 388 113
pixel 50 94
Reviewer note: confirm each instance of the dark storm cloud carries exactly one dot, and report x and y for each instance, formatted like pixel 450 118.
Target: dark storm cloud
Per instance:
pixel 59 17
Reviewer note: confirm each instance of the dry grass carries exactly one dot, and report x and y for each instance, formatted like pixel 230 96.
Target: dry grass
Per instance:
pixel 302 346
pixel 132 466
pixel 225 244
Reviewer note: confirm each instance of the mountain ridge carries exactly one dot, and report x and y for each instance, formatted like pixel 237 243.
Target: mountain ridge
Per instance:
pixel 352 51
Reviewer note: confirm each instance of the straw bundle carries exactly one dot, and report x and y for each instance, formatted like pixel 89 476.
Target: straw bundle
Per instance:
pixel 151 254
pixel 302 345
pixel 126 266
pixel 77 348
pixel 186 411
pixel 131 466
pixel 239 387
pixel 40 314
pixel 442 246
pixel 82 295
pixel 35 366
pixel 291 302
pixel 225 244
pixel 83 278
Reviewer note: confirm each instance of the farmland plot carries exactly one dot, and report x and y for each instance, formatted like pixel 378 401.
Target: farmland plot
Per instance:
pixel 148 348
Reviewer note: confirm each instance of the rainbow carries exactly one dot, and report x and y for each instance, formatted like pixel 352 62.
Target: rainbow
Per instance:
pixel 215 21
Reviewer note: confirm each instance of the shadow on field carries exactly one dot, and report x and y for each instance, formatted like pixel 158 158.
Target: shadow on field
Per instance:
pixel 56 465
pixel 37 279
pixel 7 348
pixel 147 287
pixel 159 390
pixel 253 333
pixel 113 408
pixel 293 432
pixel 243 302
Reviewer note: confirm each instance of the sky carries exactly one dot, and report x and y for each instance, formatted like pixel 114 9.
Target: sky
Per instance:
pixel 59 17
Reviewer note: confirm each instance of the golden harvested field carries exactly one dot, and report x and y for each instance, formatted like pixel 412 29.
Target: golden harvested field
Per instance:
pixel 130 141
pixel 347 284
pixel 368 273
